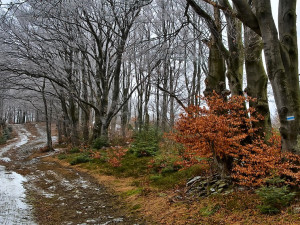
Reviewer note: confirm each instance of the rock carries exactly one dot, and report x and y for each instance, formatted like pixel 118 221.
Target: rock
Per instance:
pixel 192 181
pixel 296 210
pixel 204 186
pixel 228 192
pixel 222 185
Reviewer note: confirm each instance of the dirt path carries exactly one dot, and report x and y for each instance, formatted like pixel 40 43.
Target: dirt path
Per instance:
pixel 60 195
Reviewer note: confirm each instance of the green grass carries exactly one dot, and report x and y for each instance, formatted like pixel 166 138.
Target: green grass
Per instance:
pixel 136 191
pixel 134 166
pixel 74 158
pixel 136 207
pixel 170 180
pixel 75 150
pixel 209 210
pixel 80 159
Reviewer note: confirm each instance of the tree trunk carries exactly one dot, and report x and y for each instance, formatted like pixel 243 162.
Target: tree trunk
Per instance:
pixel 281 70
pixel 48 125
pixel 85 112
pixel 215 79
pixel 216 74
pixel 59 128
pixel 74 122
pixel 236 58
pixel 124 113
pixel 257 79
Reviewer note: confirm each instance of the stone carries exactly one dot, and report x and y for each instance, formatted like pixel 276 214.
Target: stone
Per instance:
pixel 220 190
pixel 222 185
pixel 192 181
pixel 296 210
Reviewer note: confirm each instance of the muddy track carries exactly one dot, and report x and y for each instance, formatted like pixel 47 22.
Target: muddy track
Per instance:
pixel 61 195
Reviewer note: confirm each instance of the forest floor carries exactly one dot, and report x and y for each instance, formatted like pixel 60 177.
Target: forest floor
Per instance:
pixel 93 193
pixel 58 194
pixel 172 206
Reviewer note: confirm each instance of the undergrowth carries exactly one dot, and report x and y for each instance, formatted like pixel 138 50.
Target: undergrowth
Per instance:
pixel 159 171
pixel 5 135
pixel 162 171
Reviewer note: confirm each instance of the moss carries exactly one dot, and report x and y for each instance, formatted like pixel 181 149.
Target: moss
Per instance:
pixel 131 166
pixel 100 142
pixel 74 150
pixel 170 180
pixel 136 191
pixel 136 167
pixel 136 207
pixel 209 210
pixel 62 156
pixel 80 159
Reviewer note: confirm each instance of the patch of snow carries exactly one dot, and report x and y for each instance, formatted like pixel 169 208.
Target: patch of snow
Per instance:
pixel 54 138
pixel 5 159
pixel 13 208
pixel 24 137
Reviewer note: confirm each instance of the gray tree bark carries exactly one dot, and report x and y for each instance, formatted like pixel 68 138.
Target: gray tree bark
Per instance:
pixel 257 79
pixel 281 60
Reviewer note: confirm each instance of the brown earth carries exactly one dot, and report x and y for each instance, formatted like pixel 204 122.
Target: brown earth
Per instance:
pixel 64 195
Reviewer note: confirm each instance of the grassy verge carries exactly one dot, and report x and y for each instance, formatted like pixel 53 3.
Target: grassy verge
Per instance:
pixel 139 168
pixel 153 187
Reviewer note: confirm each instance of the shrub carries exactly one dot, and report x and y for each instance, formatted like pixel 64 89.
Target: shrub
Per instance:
pixel 115 155
pixel 274 198
pixel 146 142
pixel 2 140
pixel 62 156
pixel 223 136
pixel 216 131
pixel 74 150
pixel 6 134
pixel 263 159
pixel 165 164
pixel 80 159
pixel 100 142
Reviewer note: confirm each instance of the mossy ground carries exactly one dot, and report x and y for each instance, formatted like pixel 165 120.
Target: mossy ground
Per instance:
pixel 138 168
pixel 160 195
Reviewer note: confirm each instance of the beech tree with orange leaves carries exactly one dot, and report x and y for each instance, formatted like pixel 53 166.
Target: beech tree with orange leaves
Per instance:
pixel 223 134
pixel 215 132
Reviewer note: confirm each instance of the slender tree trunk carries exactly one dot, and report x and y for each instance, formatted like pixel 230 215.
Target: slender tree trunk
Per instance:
pixel 157 105
pixel 124 113
pixel 125 109
pixel 59 128
pixel 48 125
pixel 172 90
pixel 164 111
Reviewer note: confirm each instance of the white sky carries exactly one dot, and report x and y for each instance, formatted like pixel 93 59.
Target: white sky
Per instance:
pixel 274 4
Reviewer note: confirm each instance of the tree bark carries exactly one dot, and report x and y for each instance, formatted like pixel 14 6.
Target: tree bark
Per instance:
pixel 48 124
pixel 257 79
pixel 235 61
pixel 279 72
pixel 216 63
